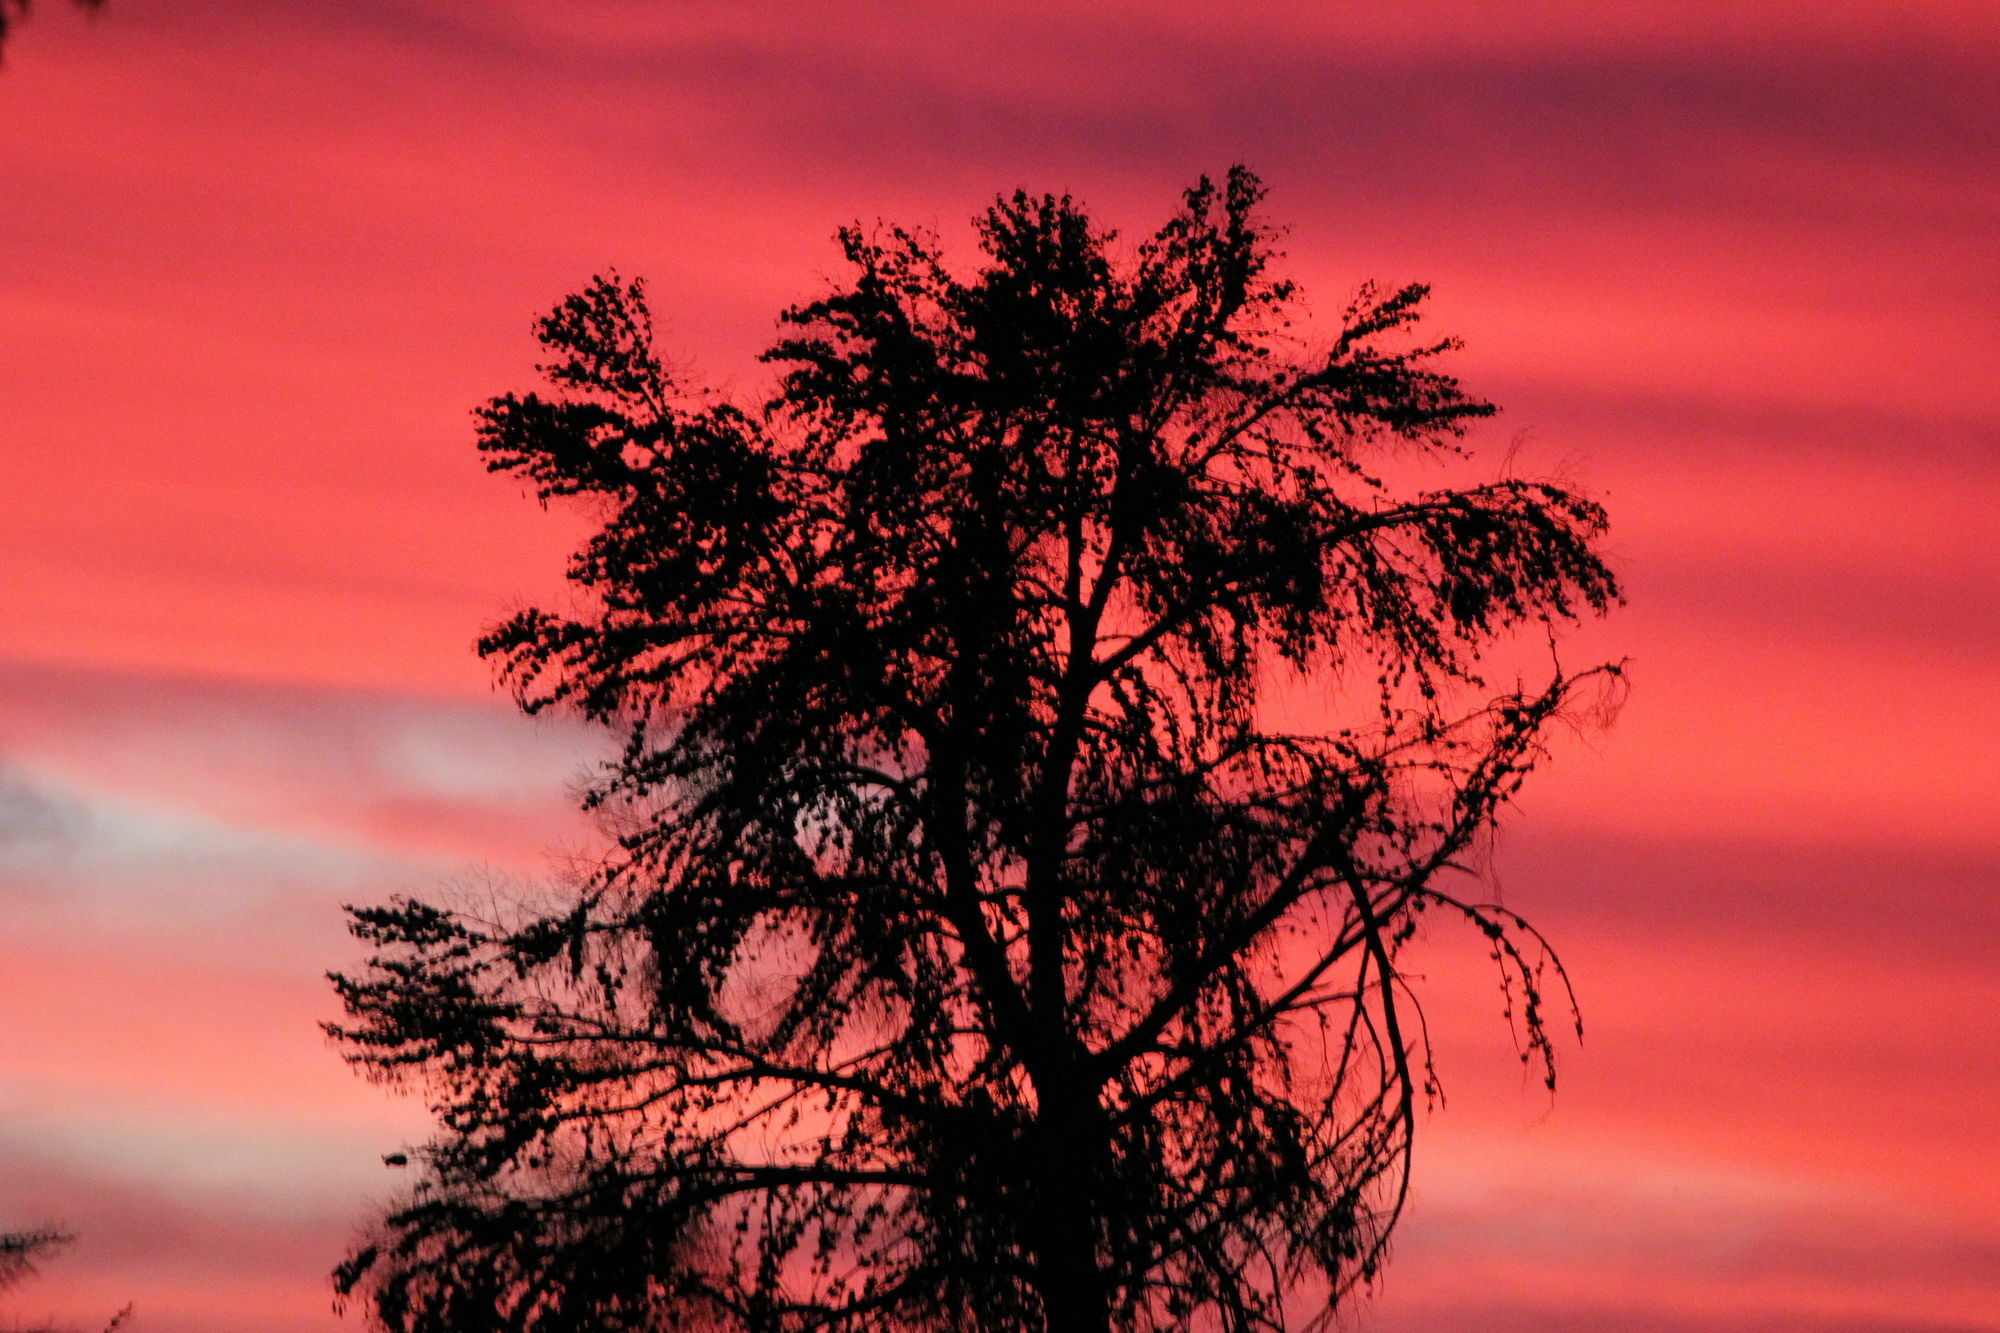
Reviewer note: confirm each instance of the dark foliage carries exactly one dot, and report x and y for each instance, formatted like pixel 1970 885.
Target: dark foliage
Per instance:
pixel 19 1251
pixel 983 948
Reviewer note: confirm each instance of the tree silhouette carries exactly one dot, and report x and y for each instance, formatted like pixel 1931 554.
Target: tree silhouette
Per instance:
pixel 20 1249
pixel 987 945
pixel 18 1252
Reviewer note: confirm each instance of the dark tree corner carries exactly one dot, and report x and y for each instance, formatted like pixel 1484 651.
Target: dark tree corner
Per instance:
pixel 20 1251
pixel 981 947
pixel 13 11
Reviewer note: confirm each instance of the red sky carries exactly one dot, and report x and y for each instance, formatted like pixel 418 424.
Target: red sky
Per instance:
pixel 1730 266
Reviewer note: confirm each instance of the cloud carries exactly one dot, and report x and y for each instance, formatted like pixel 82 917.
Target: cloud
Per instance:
pixel 190 1263
pixel 32 818
pixel 355 774
pixel 1509 1226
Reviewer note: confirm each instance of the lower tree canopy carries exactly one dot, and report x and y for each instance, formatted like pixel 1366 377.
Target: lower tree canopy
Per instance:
pixel 990 939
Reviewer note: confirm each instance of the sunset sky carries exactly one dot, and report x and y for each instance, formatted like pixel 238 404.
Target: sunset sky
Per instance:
pixel 1734 268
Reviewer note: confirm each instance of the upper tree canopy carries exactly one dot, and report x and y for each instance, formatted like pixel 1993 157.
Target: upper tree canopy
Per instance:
pixel 979 939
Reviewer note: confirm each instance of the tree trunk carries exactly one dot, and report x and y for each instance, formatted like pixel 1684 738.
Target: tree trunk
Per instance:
pixel 1075 1291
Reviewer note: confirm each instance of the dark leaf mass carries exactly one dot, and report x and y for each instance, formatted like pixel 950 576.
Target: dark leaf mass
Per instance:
pixel 984 946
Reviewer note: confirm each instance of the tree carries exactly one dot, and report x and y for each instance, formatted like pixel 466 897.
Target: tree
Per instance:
pixel 983 945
